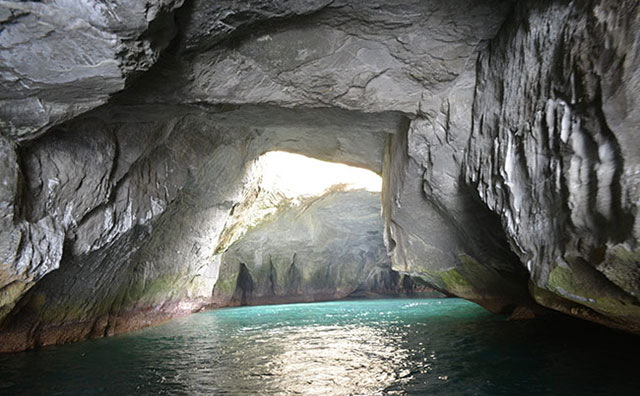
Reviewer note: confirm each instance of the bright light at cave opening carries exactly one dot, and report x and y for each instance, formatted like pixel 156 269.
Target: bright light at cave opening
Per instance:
pixel 296 175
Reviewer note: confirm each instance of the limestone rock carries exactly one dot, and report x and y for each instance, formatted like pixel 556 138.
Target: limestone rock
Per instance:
pixel 505 133
pixel 371 56
pixel 181 175
pixel 438 230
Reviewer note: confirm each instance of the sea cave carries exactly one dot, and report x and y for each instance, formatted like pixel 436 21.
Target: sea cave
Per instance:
pixel 319 197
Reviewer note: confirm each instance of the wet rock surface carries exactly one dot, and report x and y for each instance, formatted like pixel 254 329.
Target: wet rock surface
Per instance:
pixel 505 134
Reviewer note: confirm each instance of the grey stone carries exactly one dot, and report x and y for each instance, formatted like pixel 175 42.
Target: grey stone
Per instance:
pixel 555 153
pixel 61 58
pixel 372 56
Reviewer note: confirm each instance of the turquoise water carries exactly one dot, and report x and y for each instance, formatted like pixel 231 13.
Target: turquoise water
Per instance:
pixel 371 347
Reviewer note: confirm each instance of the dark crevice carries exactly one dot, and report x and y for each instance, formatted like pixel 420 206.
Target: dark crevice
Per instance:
pixel 244 286
pixel 273 277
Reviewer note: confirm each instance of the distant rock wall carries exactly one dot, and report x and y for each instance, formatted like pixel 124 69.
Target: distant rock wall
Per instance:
pixel 327 247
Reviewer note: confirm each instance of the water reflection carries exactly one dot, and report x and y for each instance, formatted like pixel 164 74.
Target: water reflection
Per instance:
pixel 308 360
pixel 404 347
pixel 335 360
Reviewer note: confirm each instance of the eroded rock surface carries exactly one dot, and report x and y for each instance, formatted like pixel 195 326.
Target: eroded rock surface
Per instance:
pixel 370 55
pixel 433 220
pixel 124 193
pixel 61 58
pixel 554 150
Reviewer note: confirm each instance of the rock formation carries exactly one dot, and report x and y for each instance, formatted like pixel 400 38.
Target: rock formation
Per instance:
pixel 504 132
pixel 326 247
pixel 552 151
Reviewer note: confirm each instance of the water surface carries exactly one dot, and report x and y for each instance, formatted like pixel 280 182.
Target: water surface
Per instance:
pixel 371 347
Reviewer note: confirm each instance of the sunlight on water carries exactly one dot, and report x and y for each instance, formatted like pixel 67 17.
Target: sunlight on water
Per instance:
pixel 373 347
pixel 335 360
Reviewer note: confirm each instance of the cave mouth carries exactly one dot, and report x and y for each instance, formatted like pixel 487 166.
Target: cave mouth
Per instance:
pixel 306 230
pixel 279 180
pixel 296 175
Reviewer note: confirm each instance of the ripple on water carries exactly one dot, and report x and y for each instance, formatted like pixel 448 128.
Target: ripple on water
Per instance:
pixel 373 347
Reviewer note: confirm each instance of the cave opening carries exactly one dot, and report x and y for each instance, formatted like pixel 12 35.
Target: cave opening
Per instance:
pixel 306 230
pixel 296 175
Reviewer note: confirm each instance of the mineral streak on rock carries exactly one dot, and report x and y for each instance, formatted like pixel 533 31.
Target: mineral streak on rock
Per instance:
pixel 505 133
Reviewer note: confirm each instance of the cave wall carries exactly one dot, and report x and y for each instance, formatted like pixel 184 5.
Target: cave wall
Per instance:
pixel 554 151
pixel 62 58
pixel 542 135
pixel 121 268
pixel 504 132
pixel 435 225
